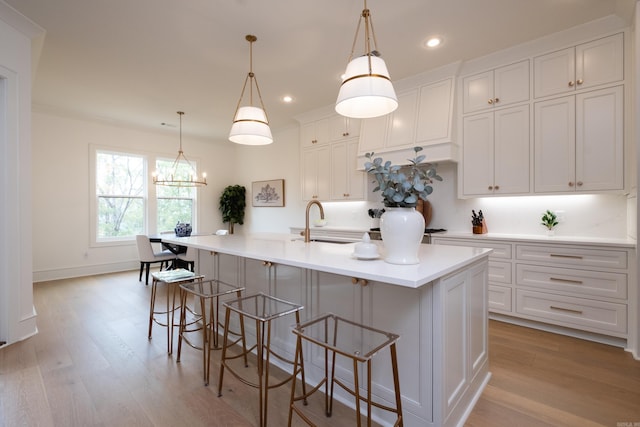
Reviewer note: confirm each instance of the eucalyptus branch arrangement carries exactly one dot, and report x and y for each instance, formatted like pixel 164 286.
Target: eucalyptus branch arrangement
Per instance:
pixel 402 186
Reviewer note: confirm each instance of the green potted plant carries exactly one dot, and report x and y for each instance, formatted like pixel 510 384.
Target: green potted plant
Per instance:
pixel 401 226
pixel 232 204
pixel 549 220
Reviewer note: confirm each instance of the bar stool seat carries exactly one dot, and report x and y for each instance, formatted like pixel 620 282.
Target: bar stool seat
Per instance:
pixel 263 309
pixel 172 278
pixel 350 340
pixel 207 321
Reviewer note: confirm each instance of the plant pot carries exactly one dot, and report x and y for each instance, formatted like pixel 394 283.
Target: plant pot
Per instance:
pixel 402 230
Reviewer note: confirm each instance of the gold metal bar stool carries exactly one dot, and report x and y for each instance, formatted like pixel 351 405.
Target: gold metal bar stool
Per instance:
pixel 359 343
pixel 263 309
pixel 208 321
pixel 172 278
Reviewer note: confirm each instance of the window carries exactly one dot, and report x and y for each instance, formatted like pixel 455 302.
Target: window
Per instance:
pixel 125 201
pixel 120 191
pixel 175 204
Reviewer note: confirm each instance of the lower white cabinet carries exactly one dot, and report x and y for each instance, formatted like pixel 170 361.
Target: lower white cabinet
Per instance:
pixel 582 287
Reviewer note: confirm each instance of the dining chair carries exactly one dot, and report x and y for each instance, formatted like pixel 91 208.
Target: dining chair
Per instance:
pixel 148 256
pixel 189 257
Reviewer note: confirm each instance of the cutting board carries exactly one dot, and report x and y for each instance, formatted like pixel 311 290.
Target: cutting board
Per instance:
pixel 424 207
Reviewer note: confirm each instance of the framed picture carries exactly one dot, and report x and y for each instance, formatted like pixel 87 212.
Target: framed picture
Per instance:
pixel 268 193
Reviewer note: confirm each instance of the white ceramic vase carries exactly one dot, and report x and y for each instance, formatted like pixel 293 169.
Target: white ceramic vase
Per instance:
pixel 402 230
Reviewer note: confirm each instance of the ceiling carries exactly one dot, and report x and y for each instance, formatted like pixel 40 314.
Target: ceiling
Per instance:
pixel 138 62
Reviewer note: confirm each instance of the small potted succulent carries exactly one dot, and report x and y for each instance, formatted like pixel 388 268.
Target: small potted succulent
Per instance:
pixel 549 220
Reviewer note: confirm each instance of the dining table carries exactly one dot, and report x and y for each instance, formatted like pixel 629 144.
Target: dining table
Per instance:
pixel 175 249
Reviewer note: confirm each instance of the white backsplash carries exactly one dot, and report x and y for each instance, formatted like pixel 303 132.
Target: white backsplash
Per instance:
pixel 580 215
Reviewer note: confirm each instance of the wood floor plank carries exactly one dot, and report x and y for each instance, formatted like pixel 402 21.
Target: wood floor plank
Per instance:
pixel 92 365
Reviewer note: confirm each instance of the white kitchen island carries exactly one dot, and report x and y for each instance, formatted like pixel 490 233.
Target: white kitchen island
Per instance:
pixel 438 307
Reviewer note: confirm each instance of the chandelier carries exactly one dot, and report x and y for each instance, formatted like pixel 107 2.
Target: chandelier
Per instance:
pixel 366 89
pixel 182 174
pixel 250 124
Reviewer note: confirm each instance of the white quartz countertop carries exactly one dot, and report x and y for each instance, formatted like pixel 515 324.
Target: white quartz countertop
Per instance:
pixel 289 249
pixel 602 241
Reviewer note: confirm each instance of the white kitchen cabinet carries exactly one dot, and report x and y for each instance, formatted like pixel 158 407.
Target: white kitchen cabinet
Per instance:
pixel 314 133
pixel 423 117
pixel 496 88
pixel 496 153
pixel 578 142
pixel 347 182
pixel 342 128
pixel 316 173
pixel 584 66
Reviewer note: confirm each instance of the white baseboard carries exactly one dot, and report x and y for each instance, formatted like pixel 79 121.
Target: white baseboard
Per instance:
pixel 85 270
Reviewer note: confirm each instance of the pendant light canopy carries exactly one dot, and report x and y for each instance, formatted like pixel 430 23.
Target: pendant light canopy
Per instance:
pixel 366 89
pixel 250 123
pixel 182 174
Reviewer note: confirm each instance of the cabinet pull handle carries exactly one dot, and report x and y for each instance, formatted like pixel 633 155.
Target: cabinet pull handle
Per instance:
pixel 490 101
pixel 579 81
pixel 267 263
pixel 579 183
pixel 497 187
pixel 497 100
pixel 213 253
pixel 345 134
pixel 565 256
pixel 557 279
pixel 313 141
pixel 571 83
pixel 362 282
pixel 570 183
pixel 568 310
pixel 490 187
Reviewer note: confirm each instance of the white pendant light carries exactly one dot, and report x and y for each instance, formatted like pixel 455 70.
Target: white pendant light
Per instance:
pixel 250 123
pixel 366 90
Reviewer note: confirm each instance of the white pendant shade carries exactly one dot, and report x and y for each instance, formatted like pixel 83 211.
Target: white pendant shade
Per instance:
pixel 250 127
pixel 365 94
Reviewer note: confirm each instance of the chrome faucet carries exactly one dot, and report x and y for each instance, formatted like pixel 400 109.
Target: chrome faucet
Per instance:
pixel 307 233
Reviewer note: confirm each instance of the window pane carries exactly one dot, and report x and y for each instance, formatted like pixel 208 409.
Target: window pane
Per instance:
pixel 170 211
pixel 120 189
pixel 119 175
pixel 120 217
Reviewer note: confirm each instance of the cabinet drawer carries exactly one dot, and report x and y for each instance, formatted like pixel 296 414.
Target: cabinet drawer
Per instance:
pixel 500 271
pixel 499 298
pixel 500 250
pixel 577 282
pixel 592 258
pixel 589 315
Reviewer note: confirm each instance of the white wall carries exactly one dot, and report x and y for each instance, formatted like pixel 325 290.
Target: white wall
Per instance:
pixel 17 314
pixel 61 242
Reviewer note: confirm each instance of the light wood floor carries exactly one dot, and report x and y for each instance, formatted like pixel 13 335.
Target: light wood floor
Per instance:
pixel 92 365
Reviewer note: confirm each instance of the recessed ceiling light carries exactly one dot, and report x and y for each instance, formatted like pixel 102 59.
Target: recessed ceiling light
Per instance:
pixel 433 42
pixel 287 99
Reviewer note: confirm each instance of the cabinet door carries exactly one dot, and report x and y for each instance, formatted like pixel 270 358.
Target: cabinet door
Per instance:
pixel 434 113
pixel 316 173
pixel 554 145
pixel 554 73
pixel 477 155
pixel 314 133
pixel 402 125
pixel 347 183
pixel 511 151
pixel 373 135
pixel 599 62
pixel 599 140
pixel 341 128
pixel 511 84
pixel 478 92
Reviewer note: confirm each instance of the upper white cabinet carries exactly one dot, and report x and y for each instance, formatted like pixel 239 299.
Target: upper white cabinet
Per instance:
pixel 424 117
pixel 496 153
pixel 341 128
pixel 579 142
pixel 314 133
pixel 584 66
pixel 316 173
pixel 347 182
pixel 496 88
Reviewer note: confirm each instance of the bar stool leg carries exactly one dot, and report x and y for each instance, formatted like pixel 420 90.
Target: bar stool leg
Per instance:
pixel 153 303
pixel 183 321
pixel 223 357
pixel 396 383
pixel 356 391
